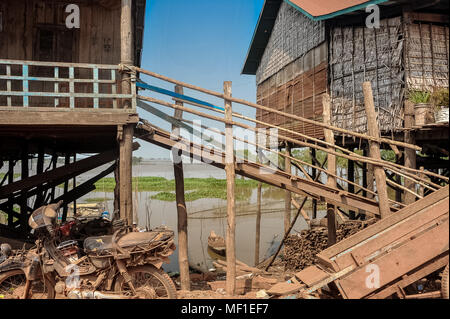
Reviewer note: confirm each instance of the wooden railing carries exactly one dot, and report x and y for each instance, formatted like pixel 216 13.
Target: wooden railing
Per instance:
pixel 63 85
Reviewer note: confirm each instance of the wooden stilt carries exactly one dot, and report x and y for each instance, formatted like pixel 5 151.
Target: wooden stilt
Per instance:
pixel 117 191
pixel 10 181
pixel 125 180
pixel 351 187
pixel 55 164
pixel 398 192
pixel 66 188
pixel 331 167
pixel 39 169
pixel 288 197
pixel 410 155
pixel 74 185
pixel 126 45
pixel 313 176
pixel 24 198
pixel 183 259
pixel 231 209
pixel 380 176
pixel 258 222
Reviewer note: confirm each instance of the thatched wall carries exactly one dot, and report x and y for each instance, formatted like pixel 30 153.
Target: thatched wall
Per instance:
pixel 358 54
pixel 426 55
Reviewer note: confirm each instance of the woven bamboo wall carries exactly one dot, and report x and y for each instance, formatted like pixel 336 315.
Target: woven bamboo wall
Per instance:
pixel 359 54
pixel 296 89
pixel 426 55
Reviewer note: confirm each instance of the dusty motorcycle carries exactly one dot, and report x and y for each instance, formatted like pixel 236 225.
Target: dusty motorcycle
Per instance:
pixel 126 264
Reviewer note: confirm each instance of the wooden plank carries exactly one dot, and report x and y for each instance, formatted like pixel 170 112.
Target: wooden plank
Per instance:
pixel 381 225
pixel 73 117
pixel 312 275
pixel 285 288
pixel 231 208
pixel 380 176
pixel 287 196
pixel 399 261
pixel 431 267
pixel 401 232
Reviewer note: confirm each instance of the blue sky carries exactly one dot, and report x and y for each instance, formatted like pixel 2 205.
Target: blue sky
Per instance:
pixel 200 42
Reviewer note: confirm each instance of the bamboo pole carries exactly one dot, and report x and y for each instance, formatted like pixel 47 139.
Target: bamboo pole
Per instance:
pixel 261 107
pixel 231 209
pixel 388 165
pixel 331 167
pixel 317 141
pixel 410 155
pixel 380 175
pixel 258 222
pixel 182 219
pixel 287 197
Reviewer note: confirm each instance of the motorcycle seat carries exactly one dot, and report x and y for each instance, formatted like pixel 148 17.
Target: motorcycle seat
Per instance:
pixel 100 243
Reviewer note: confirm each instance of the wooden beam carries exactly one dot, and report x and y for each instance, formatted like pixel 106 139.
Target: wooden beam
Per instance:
pixel 351 187
pixel 331 167
pixel 23 196
pixel 183 259
pixel 60 174
pixel 126 46
pixel 74 117
pixel 125 169
pixel 231 209
pixel 372 126
pixel 313 176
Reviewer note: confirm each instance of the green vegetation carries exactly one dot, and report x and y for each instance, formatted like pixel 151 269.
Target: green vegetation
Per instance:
pixel 96 199
pixel 195 188
pixel 416 96
pixel 440 98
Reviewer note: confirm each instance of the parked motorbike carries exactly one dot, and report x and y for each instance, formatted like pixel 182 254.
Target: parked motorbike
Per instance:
pixel 125 264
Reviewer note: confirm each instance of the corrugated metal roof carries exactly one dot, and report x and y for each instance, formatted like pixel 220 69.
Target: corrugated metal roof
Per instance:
pixel 327 9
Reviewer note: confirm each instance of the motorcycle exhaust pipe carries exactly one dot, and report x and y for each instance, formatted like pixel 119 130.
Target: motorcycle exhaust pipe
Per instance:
pixel 77 294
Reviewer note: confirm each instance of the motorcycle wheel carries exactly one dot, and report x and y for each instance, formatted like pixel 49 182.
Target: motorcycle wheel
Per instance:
pixel 12 286
pixel 149 282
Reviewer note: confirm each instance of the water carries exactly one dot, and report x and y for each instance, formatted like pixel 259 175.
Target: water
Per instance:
pixel 205 215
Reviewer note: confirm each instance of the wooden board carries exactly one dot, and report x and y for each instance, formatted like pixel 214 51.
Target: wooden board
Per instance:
pixel 311 275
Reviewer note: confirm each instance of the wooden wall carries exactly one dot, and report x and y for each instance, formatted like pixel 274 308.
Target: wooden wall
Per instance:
pixel 296 89
pixel 97 40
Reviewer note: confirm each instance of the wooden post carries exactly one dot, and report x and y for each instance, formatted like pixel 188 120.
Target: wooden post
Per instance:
pixel 374 147
pixel 183 260
pixel 331 167
pixel 125 172
pixel 116 213
pixel 258 222
pixel 10 181
pixel 351 187
pixel 126 45
pixel 24 198
pixel 66 188
pixel 410 155
pixel 231 209
pixel 74 185
pixel 287 197
pixel 398 192
pixel 313 176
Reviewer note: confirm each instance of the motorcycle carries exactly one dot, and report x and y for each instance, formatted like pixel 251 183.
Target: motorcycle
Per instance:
pixel 126 264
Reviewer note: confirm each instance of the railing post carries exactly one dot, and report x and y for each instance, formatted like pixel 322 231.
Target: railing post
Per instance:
pixel 231 210
pixel 374 147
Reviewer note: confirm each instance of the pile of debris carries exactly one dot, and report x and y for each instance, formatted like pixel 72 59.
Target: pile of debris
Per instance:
pixel 301 249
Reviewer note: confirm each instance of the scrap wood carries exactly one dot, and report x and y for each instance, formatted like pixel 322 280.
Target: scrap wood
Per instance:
pixel 285 288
